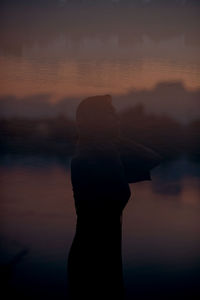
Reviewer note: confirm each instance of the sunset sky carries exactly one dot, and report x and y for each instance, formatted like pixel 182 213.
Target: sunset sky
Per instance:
pixel 73 49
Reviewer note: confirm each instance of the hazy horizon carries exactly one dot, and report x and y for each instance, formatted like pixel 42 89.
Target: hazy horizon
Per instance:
pixel 132 46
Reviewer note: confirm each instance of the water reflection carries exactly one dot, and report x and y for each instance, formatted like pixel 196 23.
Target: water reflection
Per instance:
pixel 161 230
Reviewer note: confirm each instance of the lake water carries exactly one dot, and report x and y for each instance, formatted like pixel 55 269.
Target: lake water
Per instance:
pixel 161 228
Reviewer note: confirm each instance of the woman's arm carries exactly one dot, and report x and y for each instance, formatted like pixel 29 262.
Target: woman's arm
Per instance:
pixel 138 160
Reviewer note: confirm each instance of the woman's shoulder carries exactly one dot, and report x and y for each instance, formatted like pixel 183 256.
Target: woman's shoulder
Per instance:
pixel 82 162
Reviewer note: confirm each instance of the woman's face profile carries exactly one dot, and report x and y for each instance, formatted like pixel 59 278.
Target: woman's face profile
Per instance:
pixel 96 117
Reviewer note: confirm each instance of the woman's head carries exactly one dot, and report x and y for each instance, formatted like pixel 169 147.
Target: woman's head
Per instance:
pixel 97 119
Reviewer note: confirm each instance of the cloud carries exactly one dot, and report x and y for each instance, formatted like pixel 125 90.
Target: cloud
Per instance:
pixel 168 98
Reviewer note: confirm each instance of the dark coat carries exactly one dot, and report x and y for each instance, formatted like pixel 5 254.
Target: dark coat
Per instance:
pixel 101 192
pixel 100 185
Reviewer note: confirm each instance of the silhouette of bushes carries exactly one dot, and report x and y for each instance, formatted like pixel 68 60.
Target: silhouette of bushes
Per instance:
pixel 57 136
pixel 50 136
pixel 161 133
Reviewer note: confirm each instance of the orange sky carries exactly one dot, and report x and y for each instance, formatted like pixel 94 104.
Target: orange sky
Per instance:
pixel 22 77
pixel 61 54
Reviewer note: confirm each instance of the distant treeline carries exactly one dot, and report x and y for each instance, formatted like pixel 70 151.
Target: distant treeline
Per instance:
pixel 57 136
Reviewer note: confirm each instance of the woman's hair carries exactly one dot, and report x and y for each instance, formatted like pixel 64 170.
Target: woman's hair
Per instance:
pixel 96 118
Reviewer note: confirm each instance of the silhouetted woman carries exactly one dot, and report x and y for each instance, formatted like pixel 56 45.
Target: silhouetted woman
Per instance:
pixel 100 172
